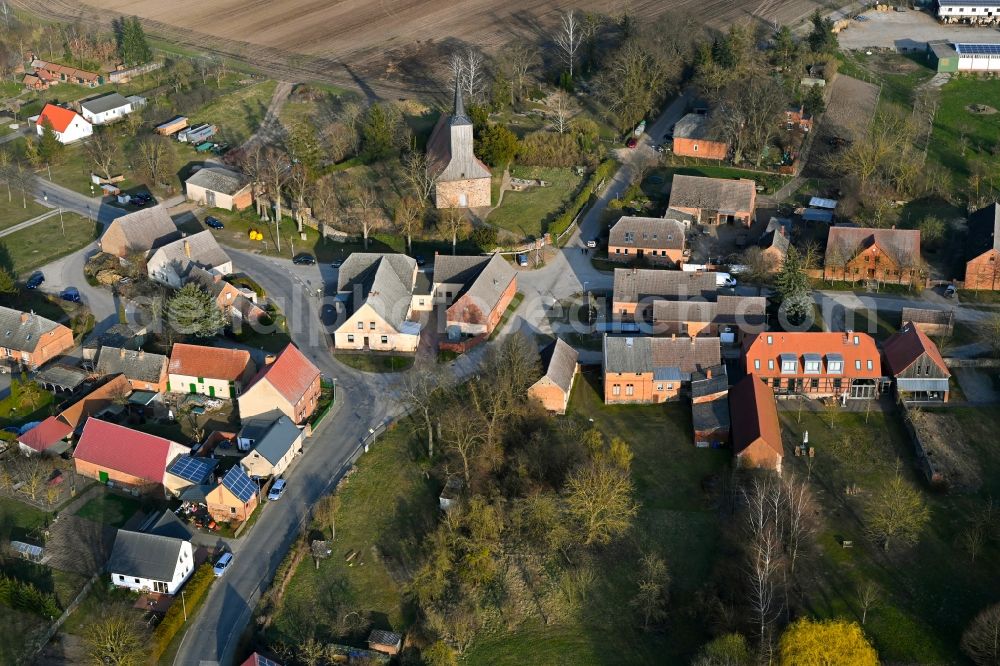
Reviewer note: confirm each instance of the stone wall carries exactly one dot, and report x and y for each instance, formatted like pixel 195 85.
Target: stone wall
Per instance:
pixel 448 194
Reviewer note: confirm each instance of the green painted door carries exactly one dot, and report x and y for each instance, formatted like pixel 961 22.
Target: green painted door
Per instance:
pixel 194 388
pixel 211 391
pixel 103 476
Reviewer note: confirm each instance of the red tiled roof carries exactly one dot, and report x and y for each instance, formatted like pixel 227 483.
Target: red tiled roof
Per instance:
pixel 212 362
pixel 124 450
pixel 45 434
pixel 97 400
pixel 291 374
pixel 906 346
pixel 797 344
pixel 754 415
pixel 58 116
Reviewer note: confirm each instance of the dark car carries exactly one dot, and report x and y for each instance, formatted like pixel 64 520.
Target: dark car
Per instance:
pixel 71 294
pixel 420 260
pixel 632 142
pixel 214 223
pixel 142 199
pixel 304 259
pixel 35 281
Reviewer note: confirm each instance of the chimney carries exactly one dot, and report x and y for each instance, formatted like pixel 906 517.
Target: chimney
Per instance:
pixel 216 278
pixel 25 317
pixel 673 336
pixel 187 249
pixel 708 373
pixel 142 353
pixel 629 342
pixel 121 353
pixel 269 359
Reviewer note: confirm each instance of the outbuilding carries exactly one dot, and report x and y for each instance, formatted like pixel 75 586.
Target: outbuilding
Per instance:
pixel 105 109
pixel 219 188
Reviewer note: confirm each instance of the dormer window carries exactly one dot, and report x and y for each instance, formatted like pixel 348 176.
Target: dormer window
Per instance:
pixel 789 364
pixel 629 237
pixel 834 364
pixel 812 364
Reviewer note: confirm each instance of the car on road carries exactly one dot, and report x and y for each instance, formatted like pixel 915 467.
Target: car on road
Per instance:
pixel 950 291
pixel 277 490
pixel 336 263
pixel 632 142
pixel 303 259
pixel 592 242
pixel 35 281
pixel 214 223
pixel 71 294
pixel 223 564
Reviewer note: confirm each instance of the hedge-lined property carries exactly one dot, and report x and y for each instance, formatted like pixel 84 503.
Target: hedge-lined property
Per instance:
pixel 605 169
pixel 194 593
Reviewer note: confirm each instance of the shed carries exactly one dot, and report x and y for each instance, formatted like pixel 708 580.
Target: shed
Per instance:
pixel 388 642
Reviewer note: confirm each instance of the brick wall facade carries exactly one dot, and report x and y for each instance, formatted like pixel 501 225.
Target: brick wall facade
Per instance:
pixel 477 193
pixel 622 254
pixel 628 387
pixel 983 272
pixel 703 148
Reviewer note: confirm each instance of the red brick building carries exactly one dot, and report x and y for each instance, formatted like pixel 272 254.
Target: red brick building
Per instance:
pixel 715 200
pixel 982 269
pixel 694 137
pixel 915 363
pixel 650 370
pixel 755 426
pixel 884 255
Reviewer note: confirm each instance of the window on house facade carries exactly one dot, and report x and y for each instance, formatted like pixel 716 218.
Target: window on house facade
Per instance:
pixel 670 387
pixel 232 509
pixel 835 366
pixel 789 364
pixel 385 339
pixel 361 325
pixel 857 365
pixel 870 366
pixel 618 250
pixel 659 387
pixel 616 389
pixel 770 364
pixel 629 237
pixel 629 389
pixel 121 578
pixel 371 326
pixel 756 364
pixel 814 384
pixel 350 338
pixel 136 579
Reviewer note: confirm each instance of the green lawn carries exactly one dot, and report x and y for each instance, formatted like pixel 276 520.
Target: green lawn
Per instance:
pixel 14 411
pixel 515 303
pixel 376 362
pixel 110 509
pixel 954 121
pixel 14 212
pixel 658 180
pixel 527 214
pixel 239 113
pixel 18 520
pixel 49 240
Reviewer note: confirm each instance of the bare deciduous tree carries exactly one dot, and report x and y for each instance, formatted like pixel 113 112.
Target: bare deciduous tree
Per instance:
pixel 275 169
pixel 474 73
pixel 462 434
pixel 453 222
pixel 115 638
pixel 868 595
pixel 32 473
pixel 155 157
pixel 421 389
pixel 366 216
pixel 299 184
pixel 897 513
pixel 764 545
pixel 519 58
pixel 654 582
pixel 569 37
pixel 417 173
pixel 599 498
pixel 408 217
pixel 981 641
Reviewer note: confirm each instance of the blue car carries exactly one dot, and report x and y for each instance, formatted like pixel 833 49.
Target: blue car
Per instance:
pixel 71 294
pixel 35 281
pixel 214 223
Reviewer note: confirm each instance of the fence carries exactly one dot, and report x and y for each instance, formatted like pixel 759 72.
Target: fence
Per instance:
pixel 933 476
pixel 463 346
pixel 972 362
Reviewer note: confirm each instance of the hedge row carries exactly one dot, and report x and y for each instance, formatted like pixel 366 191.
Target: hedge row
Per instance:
pixel 25 596
pixel 194 591
pixel 605 169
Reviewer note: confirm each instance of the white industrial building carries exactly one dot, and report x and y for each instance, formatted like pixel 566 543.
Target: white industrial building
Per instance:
pixel 969 11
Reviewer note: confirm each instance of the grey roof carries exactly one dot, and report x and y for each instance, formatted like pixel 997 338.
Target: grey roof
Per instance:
pixel 200 249
pixel 634 284
pixel 717 194
pixel 382 637
pixel 743 310
pixel 21 331
pixel 902 245
pixel 695 126
pixel 559 361
pixel 984 231
pixel 145 555
pixel 671 311
pixel 646 354
pixel 484 279
pixel 169 525
pixel 146 229
pixel 777 234
pixel 218 180
pixel 679 215
pixel 384 281
pixel 137 365
pixel 450 154
pixel 702 385
pixel 253 429
pixel 277 440
pixel 928 316
pixel 64 376
pixel 648 232
pixel 105 103
pixel 710 415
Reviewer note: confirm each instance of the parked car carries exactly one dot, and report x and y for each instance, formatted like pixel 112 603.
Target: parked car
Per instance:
pixel 223 564
pixel 142 199
pixel 336 263
pixel 724 280
pixel 420 260
pixel 71 294
pixel 632 142
pixel 522 260
pixel 304 259
pixel 214 223
pixel 950 291
pixel 277 490
pixel 592 242
pixel 35 281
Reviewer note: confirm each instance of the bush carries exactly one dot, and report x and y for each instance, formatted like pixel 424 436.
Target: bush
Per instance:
pixel 194 592
pixel 24 596
pixel 485 238
pixel 604 170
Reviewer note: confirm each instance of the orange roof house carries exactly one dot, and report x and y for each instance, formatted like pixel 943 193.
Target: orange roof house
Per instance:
pixel 917 366
pixel 68 125
pixel 213 371
pixel 289 386
pixel 756 432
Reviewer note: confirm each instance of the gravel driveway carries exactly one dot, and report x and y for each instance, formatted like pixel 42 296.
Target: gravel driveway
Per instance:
pixel 909 30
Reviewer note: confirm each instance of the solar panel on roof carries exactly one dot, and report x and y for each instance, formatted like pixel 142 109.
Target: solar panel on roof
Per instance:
pixel 239 484
pixel 978 49
pixel 195 470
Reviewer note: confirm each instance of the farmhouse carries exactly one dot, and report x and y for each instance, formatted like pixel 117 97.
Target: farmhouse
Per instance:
pixel 461 180
pixel 124 458
pixel 144 562
pixel 274 451
pixel 105 109
pixel 140 231
pixel 694 136
pixel 219 188
pixel 289 386
pixel 652 370
pixel 29 340
pixel 917 366
pixel 729 317
pixel 756 431
pixel 715 200
pixel 656 240
pixel 144 371
pixel 636 289
pixel 710 407
pixel 171 264
pixel 239 304
pixel 212 371
pixel 982 268
pixel 235 498
pixel 187 471
pixel 884 255
pixel 377 292
pixel 475 290
pixel 57 73
pixel 68 125
pixel 561 367
pixel 815 364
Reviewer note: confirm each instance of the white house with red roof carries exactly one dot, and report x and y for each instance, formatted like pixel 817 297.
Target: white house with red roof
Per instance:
pixel 68 125
pixel 289 386
pixel 124 458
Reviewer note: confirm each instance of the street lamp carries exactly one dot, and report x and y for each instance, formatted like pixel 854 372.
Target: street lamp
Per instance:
pixel 334 390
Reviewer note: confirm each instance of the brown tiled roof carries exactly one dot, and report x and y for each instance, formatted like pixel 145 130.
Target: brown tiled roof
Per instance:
pixel 634 284
pixel 146 229
pixel 291 374
pixel 718 194
pixel 902 245
pixel 647 354
pixel 136 365
pixel 744 310
pixel 754 415
pixel 213 362
pixel 648 232
pixel 483 279
pixel 906 346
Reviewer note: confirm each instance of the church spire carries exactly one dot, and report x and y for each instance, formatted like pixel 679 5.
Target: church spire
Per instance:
pixel 459 116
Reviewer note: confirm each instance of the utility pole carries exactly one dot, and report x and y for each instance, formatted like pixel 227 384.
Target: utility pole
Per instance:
pixel 184 604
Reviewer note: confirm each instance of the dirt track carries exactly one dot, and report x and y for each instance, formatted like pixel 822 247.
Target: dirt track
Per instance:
pixel 383 47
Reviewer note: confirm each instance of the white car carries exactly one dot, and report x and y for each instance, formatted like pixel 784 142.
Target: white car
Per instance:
pixel 724 280
pixel 592 242
pixel 223 564
pixel 277 490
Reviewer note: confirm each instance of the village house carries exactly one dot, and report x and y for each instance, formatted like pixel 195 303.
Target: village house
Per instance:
pixel 29 340
pixel 216 187
pixel 139 232
pixel 234 498
pixel 144 371
pixel 756 431
pixel 52 436
pixel 651 370
pixel 914 361
pixel 213 371
pixel 461 180
pixel 475 290
pixel 796 118
pixel 377 291
pixel 932 322
pixel 56 73
pixel 124 458
pixel 982 268
pixel 68 125
pixel 816 364
pixel 715 200
pixel 636 289
pixel 694 136
pixel 158 560
pixel 187 471
pixel 238 304
pixel 728 317
pixel 275 450
pixel 561 364
pixel 171 264
pixel 287 386
pixel 34 82
pixel 710 407
pixel 105 109
pixel 656 240
pixel 884 255
pixel 774 243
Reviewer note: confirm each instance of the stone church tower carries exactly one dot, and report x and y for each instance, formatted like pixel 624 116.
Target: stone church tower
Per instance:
pixel 462 181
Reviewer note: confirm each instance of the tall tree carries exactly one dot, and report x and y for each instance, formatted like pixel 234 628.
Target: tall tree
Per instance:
pixel 896 513
pixel 498 145
pixel 825 642
pixel 569 36
pixel 792 285
pixel 50 149
pixel 156 158
pixel 599 496
pixel 453 223
pixel 654 583
pixel 193 311
pixel 367 217
pixel 408 216
pixel 115 638
pixel 981 640
pixel 822 38
pixel 103 150
pixel 275 168
pixel 418 174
